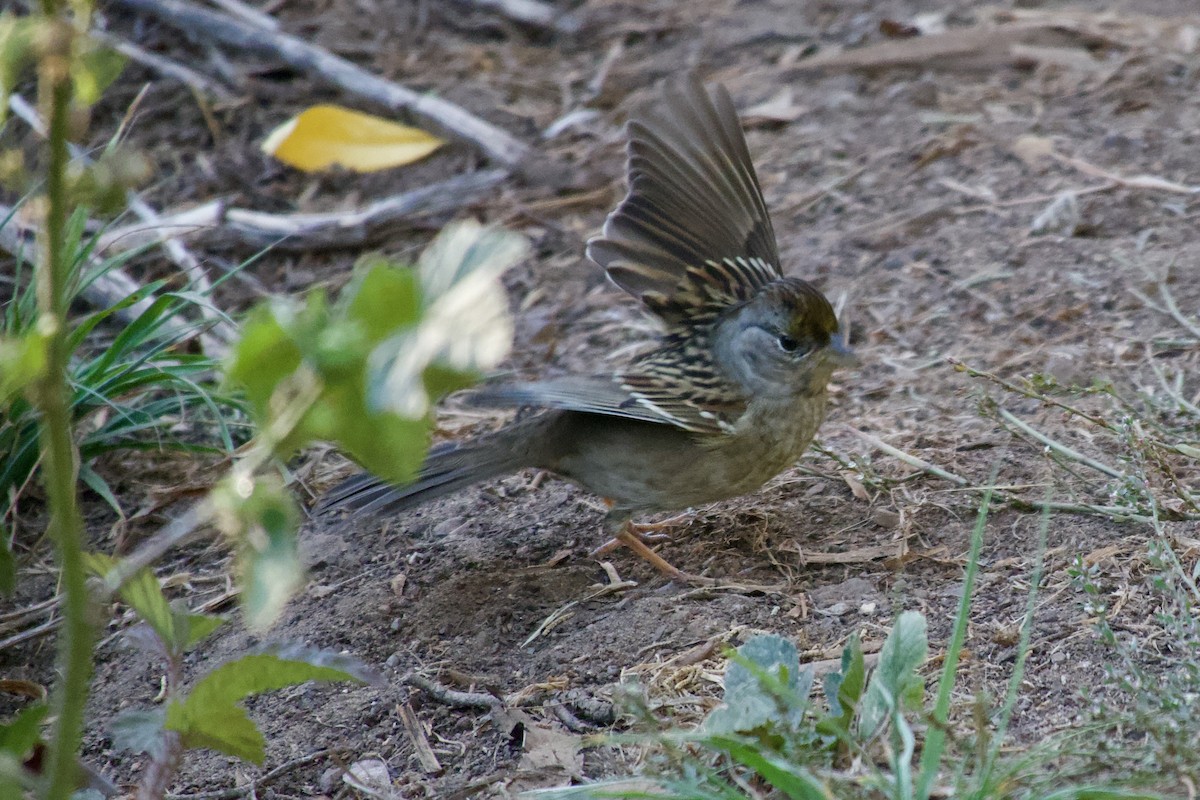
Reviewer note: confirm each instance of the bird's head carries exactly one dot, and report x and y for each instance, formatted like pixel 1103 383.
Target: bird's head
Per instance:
pixel 783 342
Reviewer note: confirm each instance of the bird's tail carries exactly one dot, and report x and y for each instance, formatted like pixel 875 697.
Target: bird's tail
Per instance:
pixel 447 468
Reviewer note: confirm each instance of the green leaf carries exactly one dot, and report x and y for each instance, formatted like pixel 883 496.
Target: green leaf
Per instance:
pixel 142 593
pixel 843 689
pixel 441 380
pixel 261 517
pixel 13 776
pixel 210 717
pixel 271 568
pixel 390 446
pixel 340 351
pixel 140 731
pixel 1187 450
pixel 264 356
pixel 226 729
pixel 95 68
pixel 22 361
pixel 764 687
pixel 176 628
pixel 273 668
pixel 18 737
pixel 794 780
pixel 895 683
pixel 382 298
pixel 191 629
pixel 97 484
pixel 466 329
pixel 16 50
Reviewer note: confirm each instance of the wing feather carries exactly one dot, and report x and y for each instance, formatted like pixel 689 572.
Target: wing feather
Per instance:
pixel 693 233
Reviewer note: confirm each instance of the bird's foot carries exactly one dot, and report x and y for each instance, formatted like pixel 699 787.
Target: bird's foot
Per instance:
pixel 646 539
pixel 636 540
pixel 647 533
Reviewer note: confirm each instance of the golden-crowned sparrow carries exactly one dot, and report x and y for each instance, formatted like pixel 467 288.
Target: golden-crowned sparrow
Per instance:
pixel 734 389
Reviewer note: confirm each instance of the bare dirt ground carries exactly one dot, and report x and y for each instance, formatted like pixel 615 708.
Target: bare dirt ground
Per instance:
pixel 906 191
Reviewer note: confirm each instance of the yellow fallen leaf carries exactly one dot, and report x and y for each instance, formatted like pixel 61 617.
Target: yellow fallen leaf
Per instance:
pixel 324 136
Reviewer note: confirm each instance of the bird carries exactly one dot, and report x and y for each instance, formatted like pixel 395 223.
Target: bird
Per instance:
pixel 731 392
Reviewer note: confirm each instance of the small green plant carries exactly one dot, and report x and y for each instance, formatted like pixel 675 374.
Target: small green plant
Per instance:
pixel 210 714
pixel 364 372
pixel 72 71
pixel 134 383
pixel 875 736
pixel 767 735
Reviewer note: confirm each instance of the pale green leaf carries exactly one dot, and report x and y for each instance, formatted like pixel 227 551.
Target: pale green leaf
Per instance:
pixel 19 736
pixel 764 687
pixel 95 68
pixel 17 35
pixel 466 330
pixel 261 517
pixel 191 629
pixel 382 297
pixel 264 356
pixel 210 717
pixel 22 361
pixel 142 593
pixel 226 729
pixel 895 682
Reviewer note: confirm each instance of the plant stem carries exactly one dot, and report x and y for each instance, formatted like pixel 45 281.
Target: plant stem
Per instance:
pixel 59 457
pixel 163 766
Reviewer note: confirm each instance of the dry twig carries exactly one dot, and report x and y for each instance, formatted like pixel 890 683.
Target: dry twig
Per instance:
pixel 420 742
pixel 436 111
pixel 452 697
pixel 306 232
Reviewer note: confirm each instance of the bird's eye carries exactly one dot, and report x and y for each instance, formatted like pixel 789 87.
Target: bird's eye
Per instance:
pixel 787 344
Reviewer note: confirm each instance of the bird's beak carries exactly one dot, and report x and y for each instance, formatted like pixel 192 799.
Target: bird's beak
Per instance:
pixel 839 354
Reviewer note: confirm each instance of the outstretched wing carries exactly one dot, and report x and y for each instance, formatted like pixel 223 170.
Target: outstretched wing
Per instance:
pixel 693 234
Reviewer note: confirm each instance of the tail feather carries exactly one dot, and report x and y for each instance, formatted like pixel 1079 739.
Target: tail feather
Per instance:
pixel 447 469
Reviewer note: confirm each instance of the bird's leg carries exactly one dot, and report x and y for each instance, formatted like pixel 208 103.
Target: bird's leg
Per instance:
pixel 631 530
pixel 626 533
pixel 646 532
pixel 631 540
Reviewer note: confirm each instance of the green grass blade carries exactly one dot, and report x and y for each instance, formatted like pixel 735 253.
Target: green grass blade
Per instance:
pixel 935 739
